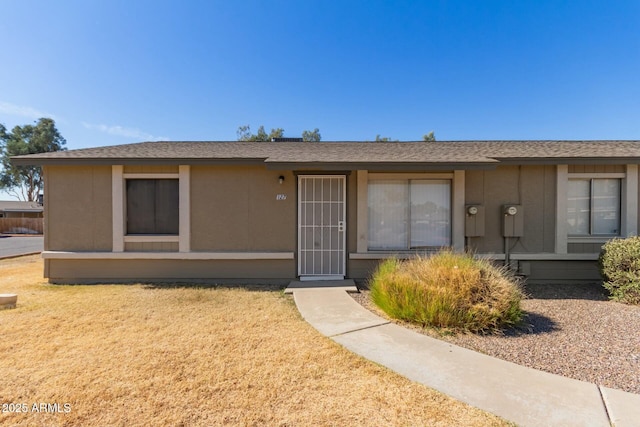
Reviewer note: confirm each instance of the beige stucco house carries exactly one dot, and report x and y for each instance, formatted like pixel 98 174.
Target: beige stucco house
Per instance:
pixel 276 211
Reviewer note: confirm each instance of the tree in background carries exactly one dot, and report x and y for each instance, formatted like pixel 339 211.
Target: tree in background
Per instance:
pixel 244 134
pixel 384 139
pixel 429 137
pixel 26 182
pixel 311 135
pixel 3 135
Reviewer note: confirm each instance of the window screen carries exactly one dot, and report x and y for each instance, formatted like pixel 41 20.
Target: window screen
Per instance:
pixel 152 206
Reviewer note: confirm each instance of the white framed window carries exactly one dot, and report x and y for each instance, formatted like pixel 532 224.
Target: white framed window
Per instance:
pixel 408 214
pixel 594 207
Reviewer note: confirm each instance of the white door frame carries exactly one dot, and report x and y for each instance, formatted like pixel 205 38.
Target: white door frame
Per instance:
pixel 335 272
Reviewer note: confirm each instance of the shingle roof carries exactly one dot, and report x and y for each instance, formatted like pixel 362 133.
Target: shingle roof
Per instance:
pixel 347 153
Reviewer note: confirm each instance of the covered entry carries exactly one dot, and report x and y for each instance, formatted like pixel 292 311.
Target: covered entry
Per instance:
pixel 321 227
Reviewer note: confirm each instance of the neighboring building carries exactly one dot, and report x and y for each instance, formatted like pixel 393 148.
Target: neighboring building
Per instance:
pixel 16 209
pixel 276 211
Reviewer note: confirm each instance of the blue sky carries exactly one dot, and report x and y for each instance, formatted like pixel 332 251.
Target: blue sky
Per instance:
pixel 121 71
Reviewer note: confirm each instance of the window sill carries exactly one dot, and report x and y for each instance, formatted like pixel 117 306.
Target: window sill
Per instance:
pixel 162 238
pixel 489 256
pixel 389 254
pixel 591 239
pixel 169 255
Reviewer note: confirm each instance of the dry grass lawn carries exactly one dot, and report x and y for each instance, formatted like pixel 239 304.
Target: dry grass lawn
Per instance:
pixel 137 355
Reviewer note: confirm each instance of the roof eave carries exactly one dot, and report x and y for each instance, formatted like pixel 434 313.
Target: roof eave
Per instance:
pixel 106 161
pixel 379 166
pixel 568 160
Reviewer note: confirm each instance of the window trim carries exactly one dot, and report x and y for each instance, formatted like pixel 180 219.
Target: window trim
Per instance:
pixel 591 235
pixel 628 210
pixel 118 191
pixel 457 178
pixel 409 219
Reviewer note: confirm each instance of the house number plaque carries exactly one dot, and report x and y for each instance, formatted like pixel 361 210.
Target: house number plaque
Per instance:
pixel 281 197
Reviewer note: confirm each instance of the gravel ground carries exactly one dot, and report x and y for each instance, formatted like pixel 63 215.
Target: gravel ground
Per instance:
pixel 570 330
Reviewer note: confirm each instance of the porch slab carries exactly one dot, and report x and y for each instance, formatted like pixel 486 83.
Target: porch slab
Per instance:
pixel 347 285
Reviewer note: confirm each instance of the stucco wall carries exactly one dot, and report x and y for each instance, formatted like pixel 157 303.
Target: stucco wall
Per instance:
pixel 211 271
pixel 78 204
pixel 235 208
pixel 362 269
pixel 561 272
pixel 533 187
pixel 151 247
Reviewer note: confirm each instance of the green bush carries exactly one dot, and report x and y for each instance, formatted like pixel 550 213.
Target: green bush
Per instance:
pixel 619 264
pixel 448 290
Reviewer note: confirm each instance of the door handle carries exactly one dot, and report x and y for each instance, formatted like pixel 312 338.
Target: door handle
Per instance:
pixel 340 225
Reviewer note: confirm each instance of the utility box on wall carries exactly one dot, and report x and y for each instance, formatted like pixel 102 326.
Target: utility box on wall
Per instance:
pixel 474 221
pixel 512 221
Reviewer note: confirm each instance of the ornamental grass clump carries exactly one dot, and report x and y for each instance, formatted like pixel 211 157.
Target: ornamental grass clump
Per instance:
pixel 619 264
pixel 448 290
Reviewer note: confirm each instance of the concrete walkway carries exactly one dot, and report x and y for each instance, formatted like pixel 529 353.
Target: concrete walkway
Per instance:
pixel 522 395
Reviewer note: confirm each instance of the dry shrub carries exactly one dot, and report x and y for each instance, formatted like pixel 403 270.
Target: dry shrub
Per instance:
pixel 448 290
pixel 619 264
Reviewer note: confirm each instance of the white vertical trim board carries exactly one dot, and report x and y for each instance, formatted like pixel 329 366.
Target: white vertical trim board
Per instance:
pixel 117 207
pixel 458 211
pixel 184 209
pixel 630 202
pixel 562 180
pixel 362 211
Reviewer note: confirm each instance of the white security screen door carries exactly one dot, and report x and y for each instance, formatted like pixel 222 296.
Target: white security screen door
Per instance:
pixel 321 229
